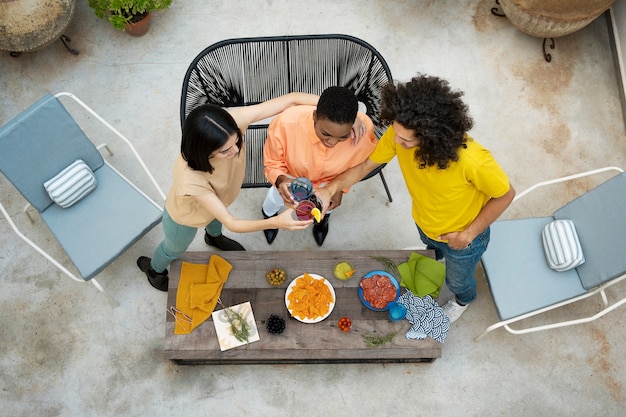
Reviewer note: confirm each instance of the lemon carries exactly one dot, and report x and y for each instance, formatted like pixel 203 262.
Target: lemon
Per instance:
pixel 317 214
pixel 343 270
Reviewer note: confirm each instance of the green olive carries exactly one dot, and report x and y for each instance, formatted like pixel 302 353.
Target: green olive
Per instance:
pixel 276 276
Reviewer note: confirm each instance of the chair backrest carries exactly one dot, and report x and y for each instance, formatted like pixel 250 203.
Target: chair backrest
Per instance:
pixel 601 228
pixel 38 144
pixel 241 72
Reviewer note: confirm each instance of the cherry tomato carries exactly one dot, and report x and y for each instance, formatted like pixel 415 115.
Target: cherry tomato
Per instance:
pixel 344 323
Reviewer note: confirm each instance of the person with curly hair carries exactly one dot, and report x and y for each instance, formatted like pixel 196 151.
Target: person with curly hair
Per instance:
pixel 456 186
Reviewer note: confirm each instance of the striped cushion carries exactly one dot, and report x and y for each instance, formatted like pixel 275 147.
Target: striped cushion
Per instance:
pixel 561 245
pixel 69 186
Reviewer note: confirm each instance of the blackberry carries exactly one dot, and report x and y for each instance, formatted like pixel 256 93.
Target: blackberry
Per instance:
pixel 275 324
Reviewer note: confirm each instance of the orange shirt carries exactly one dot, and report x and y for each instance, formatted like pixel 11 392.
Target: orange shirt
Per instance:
pixel 293 149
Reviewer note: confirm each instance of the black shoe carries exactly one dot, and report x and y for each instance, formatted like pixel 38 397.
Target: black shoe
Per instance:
pixel 221 242
pixel 320 230
pixel 156 279
pixel 270 234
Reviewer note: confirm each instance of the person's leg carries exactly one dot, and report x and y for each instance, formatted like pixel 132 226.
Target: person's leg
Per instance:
pixel 214 228
pixel 273 202
pixel 320 230
pixel 177 239
pixel 460 267
pixel 213 237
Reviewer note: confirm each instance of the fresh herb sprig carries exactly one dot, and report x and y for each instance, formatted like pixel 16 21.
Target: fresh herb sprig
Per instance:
pixel 239 326
pixel 375 341
pixel 389 265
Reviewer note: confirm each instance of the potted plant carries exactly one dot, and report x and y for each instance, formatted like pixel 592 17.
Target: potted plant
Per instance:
pixel 125 14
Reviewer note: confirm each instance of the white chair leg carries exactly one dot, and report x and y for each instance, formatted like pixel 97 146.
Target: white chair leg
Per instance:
pixel 489 329
pixel 106 147
pixel 26 208
pixel 109 296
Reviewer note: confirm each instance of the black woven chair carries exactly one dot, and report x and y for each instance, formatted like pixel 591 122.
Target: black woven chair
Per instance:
pixel 246 71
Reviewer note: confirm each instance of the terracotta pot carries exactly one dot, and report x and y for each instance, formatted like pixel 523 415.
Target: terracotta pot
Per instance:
pixel 139 28
pixel 553 18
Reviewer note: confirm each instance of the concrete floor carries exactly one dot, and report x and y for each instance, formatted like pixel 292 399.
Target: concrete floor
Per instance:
pixel 67 352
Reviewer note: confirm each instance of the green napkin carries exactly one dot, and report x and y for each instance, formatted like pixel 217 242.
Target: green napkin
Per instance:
pixel 422 275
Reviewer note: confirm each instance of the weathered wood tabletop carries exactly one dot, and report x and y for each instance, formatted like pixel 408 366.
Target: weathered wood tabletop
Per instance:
pixel 321 342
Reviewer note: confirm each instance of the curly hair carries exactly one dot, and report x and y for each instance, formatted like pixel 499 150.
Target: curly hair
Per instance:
pixel 436 114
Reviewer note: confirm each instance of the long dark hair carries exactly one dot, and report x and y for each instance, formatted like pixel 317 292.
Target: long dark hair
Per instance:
pixel 206 129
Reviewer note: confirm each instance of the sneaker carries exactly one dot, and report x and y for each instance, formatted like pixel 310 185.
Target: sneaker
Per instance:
pixel 454 310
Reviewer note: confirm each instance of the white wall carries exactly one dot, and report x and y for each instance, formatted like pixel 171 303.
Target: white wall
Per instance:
pixel 617 31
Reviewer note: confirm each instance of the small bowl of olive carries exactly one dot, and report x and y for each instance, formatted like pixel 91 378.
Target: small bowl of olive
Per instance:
pixel 276 276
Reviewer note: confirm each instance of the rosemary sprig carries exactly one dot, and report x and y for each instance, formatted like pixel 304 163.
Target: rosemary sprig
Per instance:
pixel 389 265
pixel 239 326
pixel 375 341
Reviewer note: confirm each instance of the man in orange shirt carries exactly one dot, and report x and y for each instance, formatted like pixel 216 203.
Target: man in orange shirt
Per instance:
pixel 318 144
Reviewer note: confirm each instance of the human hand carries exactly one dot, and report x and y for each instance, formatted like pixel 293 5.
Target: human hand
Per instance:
pixel 456 240
pixel 283 187
pixel 286 221
pixel 335 200
pixel 358 131
pixel 325 198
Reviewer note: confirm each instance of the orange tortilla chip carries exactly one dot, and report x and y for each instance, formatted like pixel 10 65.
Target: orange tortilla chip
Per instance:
pixel 310 298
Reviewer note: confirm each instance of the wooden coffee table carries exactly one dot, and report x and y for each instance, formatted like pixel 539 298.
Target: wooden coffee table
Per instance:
pixel 321 342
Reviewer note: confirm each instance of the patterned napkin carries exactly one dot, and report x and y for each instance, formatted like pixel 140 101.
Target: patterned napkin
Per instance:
pixel 427 318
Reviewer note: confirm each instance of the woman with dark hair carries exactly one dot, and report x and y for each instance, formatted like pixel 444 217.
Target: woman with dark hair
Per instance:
pixel 207 177
pixel 456 186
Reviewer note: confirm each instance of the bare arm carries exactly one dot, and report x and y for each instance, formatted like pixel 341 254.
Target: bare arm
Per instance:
pixel 343 181
pixel 492 210
pixel 244 116
pixel 283 221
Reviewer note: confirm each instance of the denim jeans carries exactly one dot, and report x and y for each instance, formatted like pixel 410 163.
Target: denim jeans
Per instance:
pixel 460 264
pixel 177 239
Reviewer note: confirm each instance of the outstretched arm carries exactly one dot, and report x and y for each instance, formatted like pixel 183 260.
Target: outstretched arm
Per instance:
pixel 244 116
pixel 283 221
pixel 343 181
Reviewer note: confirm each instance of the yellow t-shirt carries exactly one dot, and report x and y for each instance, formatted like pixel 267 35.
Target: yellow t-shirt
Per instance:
pixel 225 182
pixel 447 200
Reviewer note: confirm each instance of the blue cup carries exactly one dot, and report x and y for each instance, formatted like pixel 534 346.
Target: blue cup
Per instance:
pixel 301 188
pixel 397 311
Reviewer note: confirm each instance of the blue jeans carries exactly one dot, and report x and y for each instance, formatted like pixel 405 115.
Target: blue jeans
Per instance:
pixel 177 239
pixel 460 264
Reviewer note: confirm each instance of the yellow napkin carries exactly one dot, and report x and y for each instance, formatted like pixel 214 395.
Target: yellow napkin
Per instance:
pixel 198 290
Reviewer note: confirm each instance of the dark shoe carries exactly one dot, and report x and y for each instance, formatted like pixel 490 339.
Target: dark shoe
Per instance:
pixel 156 279
pixel 270 234
pixel 320 230
pixel 221 242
